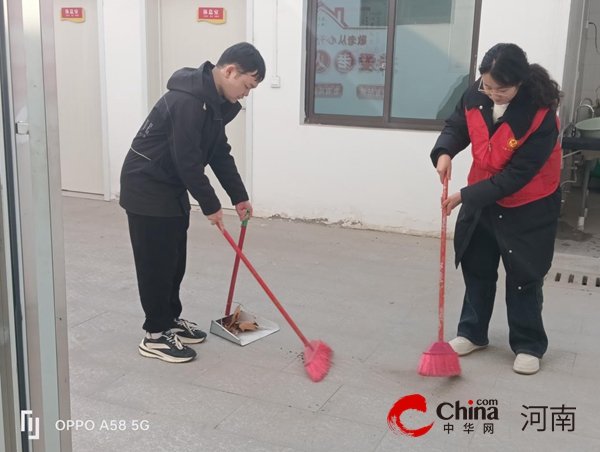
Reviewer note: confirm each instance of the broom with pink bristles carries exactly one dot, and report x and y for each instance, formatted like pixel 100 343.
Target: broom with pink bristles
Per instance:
pixel 441 360
pixel 317 354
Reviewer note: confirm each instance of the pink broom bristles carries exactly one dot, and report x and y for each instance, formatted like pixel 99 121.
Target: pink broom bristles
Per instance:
pixel 439 361
pixel 317 360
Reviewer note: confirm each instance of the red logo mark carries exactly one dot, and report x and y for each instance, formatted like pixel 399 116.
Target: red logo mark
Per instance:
pixel 410 402
pixel 345 61
pixel 323 61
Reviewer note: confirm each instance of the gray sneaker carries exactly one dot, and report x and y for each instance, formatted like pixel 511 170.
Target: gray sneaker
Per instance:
pixel 167 347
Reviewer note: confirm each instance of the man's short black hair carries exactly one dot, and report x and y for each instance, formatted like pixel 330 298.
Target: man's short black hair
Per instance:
pixel 247 59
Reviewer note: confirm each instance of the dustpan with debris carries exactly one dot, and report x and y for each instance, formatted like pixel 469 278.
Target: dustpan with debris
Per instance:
pixel 241 327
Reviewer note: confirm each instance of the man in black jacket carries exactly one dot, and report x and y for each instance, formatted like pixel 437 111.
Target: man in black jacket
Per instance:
pixel 184 132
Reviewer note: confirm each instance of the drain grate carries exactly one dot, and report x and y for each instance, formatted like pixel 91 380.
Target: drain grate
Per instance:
pixel 576 280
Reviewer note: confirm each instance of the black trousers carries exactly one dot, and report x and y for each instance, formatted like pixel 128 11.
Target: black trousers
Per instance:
pixel 159 250
pixel 524 297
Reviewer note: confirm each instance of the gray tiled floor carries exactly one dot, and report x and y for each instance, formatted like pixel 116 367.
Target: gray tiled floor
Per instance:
pixel 371 296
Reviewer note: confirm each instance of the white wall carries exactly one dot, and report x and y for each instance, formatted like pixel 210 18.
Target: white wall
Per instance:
pixel 125 84
pixel 380 178
pixel 373 178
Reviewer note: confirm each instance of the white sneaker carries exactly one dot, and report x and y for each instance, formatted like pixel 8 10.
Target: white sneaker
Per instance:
pixel 464 346
pixel 526 364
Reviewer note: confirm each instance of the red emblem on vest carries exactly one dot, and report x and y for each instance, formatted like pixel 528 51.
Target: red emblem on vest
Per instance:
pixel 491 155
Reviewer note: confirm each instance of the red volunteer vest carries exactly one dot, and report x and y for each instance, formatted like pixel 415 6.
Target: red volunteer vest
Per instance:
pixel 492 154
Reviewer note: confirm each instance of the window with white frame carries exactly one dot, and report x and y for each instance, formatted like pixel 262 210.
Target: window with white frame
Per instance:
pixel 389 63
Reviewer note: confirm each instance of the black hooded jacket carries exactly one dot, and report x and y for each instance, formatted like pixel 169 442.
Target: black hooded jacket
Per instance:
pixel 184 132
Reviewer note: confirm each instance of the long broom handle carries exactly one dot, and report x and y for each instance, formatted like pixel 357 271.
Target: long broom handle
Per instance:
pixel 236 267
pixel 443 263
pixel 264 286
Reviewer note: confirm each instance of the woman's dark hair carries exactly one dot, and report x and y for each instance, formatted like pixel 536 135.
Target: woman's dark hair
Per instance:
pixel 246 58
pixel 507 64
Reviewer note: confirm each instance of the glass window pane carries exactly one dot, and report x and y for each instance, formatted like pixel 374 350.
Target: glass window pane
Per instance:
pixel 350 57
pixel 423 12
pixel 432 57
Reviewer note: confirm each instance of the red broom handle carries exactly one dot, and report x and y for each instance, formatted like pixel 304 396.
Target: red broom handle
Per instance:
pixel 236 267
pixel 263 285
pixel 443 263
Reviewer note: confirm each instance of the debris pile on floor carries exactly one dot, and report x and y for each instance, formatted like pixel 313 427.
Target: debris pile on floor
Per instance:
pixel 234 326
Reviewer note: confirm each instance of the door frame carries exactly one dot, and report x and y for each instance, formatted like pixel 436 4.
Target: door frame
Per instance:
pixel 35 223
pixel 103 100
pixel 250 106
pixel 144 5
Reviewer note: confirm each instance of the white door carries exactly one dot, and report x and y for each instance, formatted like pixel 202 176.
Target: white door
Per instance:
pixel 185 42
pixel 79 112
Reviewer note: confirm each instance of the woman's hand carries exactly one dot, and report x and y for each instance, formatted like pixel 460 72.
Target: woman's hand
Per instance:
pixel 452 202
pixel 444 167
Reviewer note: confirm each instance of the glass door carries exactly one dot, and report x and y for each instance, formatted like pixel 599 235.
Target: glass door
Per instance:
pixel 34 376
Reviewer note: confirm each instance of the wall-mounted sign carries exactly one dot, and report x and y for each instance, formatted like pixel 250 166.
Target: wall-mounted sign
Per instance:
pixel 332 90
pixel 72 14
pixel 213 15
pixel 375 92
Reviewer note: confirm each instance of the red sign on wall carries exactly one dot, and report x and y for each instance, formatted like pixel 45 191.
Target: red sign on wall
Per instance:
pixel 72 14
pixel 212 15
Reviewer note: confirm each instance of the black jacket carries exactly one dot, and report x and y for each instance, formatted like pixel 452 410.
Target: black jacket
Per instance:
pixel 184 132
pixel 529 229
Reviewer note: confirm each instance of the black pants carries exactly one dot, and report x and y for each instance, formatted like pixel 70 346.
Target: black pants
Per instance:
pixel 159 251
pixel 524 297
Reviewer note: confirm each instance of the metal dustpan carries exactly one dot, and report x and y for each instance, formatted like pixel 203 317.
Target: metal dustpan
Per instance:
pixel 263 327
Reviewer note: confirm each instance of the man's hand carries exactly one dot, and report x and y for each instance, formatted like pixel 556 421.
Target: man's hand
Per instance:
pixel 444 167
pixel 244 210
pixel 452 202
pixel 217 218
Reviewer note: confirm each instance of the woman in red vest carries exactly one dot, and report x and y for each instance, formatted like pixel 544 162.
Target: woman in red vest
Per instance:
pixel 511 205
